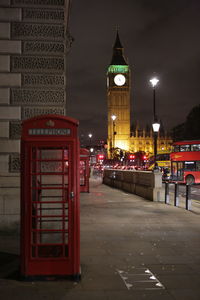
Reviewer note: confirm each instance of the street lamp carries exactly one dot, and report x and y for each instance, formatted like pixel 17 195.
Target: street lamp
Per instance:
pixel 155 125
pixel 90 137
pixel 154 82
pixel 113 117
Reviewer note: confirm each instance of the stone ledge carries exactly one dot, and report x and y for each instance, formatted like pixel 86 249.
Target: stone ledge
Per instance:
pixel 10 181
pixel 4 63
pixel 10 79
pixel 8 174
pixel 144 184
pixel 4 30
pixel 15 191
pixel 9 146
pixel 9 14
pixel 11 47
pixel 4 95
pixel 4 129
pixel 4 163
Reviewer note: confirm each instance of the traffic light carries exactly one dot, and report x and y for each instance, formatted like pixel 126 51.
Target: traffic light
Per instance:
pixel 100 157
pixel 131 156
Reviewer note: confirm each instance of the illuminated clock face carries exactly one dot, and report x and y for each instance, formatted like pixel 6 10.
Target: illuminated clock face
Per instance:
pixel 119 79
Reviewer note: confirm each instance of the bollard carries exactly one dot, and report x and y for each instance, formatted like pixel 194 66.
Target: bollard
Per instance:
pixel 176 194
pixel 188 197
pixel 167 192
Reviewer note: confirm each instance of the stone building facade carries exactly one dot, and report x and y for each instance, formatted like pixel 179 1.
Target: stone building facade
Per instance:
pixel 34 41
pixel 143 140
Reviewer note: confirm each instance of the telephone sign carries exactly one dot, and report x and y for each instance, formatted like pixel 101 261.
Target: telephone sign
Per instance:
pixel 49 131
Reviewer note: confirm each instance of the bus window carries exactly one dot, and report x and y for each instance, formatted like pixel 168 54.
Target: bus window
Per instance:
pixel 166 156
pixel 197 165
pixel 180 170
pixel 176 148
pixel 189 166
pixel 174 168
pixel 184 148
pixel 195 147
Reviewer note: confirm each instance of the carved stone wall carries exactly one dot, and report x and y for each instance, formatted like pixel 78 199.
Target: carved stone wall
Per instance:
pixel 29 112
pixel 38 2
pixel 38 15
pixel 35 47
pixel 40 80
pixel 41 30
pixel 15 130
pixel 37 63
pixel 14 162
pixel 37 97
pixel 27 31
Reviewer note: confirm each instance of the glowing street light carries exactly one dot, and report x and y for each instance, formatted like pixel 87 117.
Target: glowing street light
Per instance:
pixel 90 140
pixel 156 126
pixel 154 81
pixel 113 117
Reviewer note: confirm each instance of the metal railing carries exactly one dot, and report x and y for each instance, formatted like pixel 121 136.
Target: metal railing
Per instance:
pixel 188 202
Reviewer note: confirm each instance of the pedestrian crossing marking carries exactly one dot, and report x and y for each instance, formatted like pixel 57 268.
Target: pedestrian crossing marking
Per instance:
pixel 140 279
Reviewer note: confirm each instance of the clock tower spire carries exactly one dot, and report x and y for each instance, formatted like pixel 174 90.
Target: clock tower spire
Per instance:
pixel 118 53
pixel 118 100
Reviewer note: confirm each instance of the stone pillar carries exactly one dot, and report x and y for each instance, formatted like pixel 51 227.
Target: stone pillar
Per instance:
pixel 34 41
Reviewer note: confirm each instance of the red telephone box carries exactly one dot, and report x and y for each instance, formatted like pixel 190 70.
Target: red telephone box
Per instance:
pixel 84 170
pixel 50 186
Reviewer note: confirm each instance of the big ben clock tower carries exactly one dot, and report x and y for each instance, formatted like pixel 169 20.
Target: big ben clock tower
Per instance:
pixel 118 99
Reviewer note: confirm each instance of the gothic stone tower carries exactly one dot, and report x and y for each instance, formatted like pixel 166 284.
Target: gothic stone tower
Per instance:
pixel 118 99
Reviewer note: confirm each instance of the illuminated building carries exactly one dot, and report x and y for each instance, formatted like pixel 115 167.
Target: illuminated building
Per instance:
pixel 118 95
pixel 118 103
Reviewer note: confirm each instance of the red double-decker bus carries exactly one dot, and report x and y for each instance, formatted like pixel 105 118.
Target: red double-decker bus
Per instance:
pixel 185 162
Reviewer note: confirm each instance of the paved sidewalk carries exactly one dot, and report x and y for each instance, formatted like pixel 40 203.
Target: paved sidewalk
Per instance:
pixel 131 248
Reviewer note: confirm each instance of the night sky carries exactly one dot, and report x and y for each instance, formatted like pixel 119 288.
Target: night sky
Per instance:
pixel 160 37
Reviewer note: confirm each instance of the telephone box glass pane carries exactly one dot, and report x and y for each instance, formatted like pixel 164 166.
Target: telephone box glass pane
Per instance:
pixel 82 172
pixel 52 154
pixel 50 209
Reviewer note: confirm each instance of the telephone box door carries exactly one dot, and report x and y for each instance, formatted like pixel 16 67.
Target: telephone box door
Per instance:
pixel 49 223
pixel 84 170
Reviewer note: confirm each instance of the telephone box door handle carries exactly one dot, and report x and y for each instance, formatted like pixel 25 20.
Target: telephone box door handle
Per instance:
pixel 72 196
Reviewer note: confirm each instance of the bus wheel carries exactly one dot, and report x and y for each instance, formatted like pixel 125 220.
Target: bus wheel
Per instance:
pixel 189 179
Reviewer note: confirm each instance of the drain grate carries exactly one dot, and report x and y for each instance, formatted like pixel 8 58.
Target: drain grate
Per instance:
pixel 140 279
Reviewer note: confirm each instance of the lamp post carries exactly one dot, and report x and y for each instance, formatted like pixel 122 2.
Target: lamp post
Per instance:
pixel 90 147
pixel 155 125
pixel 113 117
pixel 90 137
